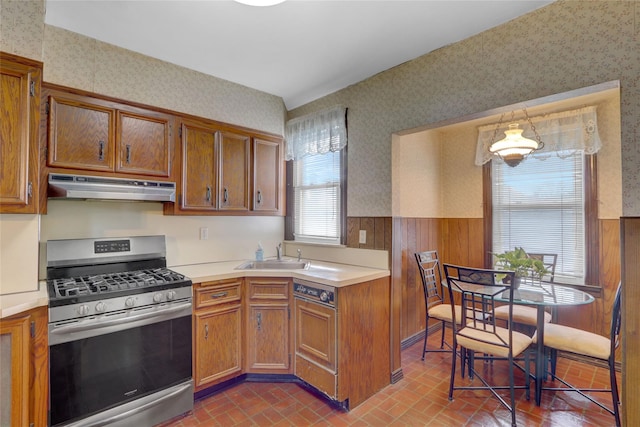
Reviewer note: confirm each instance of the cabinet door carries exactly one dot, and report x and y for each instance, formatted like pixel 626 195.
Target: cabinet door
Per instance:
pixel 268 338
pixel 81 134
pixel 143 144
pixel 267 175
pixel 14 372
pixel 233 192
pixel 316 333
pixel 198 168
pixel 218 345
pixel 19 112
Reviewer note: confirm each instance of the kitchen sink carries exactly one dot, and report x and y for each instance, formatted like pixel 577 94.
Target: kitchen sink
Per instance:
pixel 274 264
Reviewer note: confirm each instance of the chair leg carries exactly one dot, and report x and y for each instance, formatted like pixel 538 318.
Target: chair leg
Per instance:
pixel 454 356
pixel 614 392
pixel 512 392
pixel 426 334
pixel 442 336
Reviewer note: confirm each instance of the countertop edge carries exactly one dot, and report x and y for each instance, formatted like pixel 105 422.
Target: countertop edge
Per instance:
pixel 14 304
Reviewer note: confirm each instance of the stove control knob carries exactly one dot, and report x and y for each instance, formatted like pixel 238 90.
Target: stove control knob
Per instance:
pixel 157 297
pixel 324 297
pixel 83 310
pixel 129 302
pixel 100 307
pixel 171 295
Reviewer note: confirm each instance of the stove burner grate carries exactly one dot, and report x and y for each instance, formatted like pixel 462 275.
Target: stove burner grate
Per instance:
pixel 112 282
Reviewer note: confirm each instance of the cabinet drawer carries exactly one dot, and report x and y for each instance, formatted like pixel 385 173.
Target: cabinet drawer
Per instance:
pixel 207 296
pixel 324 380
pixel 277 289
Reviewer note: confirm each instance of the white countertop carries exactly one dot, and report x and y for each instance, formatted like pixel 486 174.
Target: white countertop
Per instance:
pixel 328 273
pixel 20 302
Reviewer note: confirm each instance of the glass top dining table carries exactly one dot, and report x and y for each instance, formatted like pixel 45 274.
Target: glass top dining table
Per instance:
pixel 542 295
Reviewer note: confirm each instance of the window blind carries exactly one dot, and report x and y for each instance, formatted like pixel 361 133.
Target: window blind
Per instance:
pixel 316 182
pixel 539 206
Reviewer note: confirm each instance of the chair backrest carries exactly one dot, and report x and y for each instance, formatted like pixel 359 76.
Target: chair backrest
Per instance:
pixel 478 288
pixel 431 275
pixel 616 321
pixel 549 261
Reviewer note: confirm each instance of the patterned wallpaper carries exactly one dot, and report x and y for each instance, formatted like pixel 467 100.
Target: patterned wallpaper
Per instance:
pixel 564 46
pixel 80 62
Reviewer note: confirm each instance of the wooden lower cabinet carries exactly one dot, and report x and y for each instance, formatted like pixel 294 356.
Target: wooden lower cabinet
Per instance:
pixel 268 325
pixel 345 352
pixel 218 337
pixel 23 369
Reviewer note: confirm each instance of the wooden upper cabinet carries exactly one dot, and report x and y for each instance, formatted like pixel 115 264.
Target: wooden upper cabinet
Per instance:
pixel 142 143
pixel 199 168
pixel 92 134
pixel 267 175
pixel 80 135
pixel 20 81
pixel 235 155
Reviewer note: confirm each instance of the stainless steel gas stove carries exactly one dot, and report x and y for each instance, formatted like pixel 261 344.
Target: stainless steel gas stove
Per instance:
pixel 119 333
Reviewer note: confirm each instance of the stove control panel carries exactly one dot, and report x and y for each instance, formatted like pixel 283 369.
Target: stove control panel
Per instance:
pixel 108 246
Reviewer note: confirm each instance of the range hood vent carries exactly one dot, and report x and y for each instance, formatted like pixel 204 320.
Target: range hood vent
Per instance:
pixel 104 188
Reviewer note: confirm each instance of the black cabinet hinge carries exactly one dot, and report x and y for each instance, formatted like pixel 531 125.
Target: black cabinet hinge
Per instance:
pixel 46 108
pixel 180 132
pixel 32 88
pixel 288 312
pixel 32 329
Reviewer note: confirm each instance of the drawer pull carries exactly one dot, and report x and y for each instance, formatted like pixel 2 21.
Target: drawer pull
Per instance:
pixel 100 150
pixel 219 295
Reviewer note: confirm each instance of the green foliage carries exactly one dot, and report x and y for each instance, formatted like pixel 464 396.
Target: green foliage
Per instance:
pixel 519 262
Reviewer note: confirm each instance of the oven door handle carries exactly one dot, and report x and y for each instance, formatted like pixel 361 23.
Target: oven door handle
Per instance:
pixel 151 317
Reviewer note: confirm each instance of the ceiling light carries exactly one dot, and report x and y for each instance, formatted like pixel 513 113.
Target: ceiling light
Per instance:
pixel 514 147
pixel 260 2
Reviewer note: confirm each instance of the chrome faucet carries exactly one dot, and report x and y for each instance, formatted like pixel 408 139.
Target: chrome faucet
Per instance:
pixel 299 254
pixel 279 251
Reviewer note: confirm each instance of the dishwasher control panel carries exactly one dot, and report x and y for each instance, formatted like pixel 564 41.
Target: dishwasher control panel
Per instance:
pixel 315 292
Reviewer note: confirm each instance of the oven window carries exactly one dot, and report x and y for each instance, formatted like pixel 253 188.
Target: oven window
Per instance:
pixel 93 374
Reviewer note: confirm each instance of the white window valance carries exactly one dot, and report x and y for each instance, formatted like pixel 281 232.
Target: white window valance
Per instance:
pixel 317 133
pixel 562 134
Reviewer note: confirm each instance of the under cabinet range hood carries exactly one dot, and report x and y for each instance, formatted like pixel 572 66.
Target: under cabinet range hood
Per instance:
pixel 104 188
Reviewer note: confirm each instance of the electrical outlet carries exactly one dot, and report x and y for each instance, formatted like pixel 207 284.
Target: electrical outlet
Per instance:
pixel 363 237
pixel 204 233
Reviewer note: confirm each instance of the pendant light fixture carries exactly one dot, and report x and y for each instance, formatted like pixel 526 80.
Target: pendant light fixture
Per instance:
pixel 514 147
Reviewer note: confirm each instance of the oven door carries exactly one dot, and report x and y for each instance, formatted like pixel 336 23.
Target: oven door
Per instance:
pixel 132 356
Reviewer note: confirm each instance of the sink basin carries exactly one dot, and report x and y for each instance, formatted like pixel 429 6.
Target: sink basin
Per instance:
pixel 274 264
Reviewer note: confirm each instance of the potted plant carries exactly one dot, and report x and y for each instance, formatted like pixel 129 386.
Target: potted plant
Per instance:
pixel 519 262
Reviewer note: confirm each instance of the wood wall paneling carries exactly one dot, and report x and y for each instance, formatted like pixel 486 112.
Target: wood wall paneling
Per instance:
pixel 630 247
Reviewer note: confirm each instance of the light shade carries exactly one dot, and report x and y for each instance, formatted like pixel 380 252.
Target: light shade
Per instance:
pixel 514 147
pixel 260 2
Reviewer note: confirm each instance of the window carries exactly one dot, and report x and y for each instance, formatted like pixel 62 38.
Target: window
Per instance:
pixel 548 202
pixel 317 182
pixel 316 177
pixel 540 205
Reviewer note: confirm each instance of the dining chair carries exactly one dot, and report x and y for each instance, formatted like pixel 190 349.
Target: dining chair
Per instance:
pixel 590 345
pixel 435 307
pixel 478 331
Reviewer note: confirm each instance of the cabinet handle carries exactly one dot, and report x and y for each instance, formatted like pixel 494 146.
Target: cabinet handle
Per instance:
pixel 259 197
pixel 208 193
pixel 226 195
pixel 206 331
pixel 101 150
pixel 128 153
pixel 259 318
pixel 219 295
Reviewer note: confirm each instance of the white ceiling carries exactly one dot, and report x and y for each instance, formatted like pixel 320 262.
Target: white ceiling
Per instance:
pixel 299 50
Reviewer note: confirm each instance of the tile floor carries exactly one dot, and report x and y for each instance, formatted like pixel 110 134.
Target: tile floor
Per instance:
pixel 419 399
